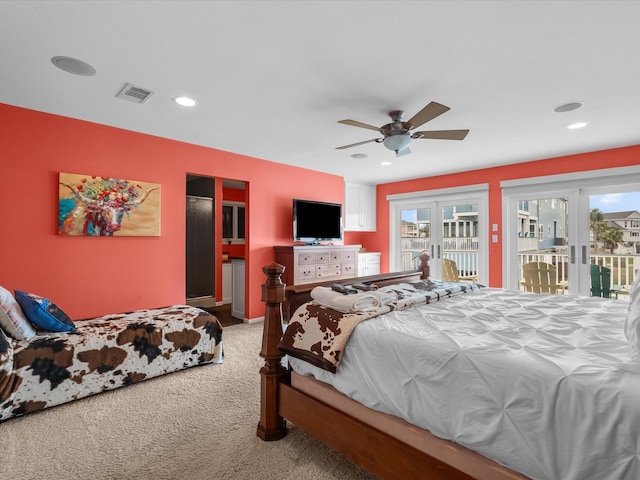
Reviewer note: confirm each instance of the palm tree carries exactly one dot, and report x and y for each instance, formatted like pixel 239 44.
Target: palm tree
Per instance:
pixel 611 236
pixel 597 224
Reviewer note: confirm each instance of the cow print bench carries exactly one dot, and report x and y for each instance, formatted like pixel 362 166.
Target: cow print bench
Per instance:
pixel 103 354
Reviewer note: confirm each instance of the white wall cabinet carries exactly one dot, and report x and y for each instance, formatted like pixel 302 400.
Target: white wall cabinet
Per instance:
pixel 360 207
pixel 227 285
pixel 237 302
pixel 368 264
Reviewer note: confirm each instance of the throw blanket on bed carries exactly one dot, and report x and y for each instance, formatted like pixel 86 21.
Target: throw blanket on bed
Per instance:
pixel 318 333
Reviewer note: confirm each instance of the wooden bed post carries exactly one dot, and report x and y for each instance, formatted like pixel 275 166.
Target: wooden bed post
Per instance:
pixel 271 426
pixel 424 265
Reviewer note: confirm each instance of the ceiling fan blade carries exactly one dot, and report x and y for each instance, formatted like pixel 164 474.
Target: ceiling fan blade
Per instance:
pixel 427 114
pixel 442 134
pixel 359 124
pixel 359 143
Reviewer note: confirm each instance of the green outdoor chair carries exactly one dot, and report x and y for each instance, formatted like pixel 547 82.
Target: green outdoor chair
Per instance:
pixel 600 281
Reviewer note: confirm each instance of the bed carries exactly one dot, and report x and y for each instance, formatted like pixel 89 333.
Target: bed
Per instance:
pixel 103 353
pixel 511 385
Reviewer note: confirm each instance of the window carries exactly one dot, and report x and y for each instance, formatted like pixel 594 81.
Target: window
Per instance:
pixel 233 222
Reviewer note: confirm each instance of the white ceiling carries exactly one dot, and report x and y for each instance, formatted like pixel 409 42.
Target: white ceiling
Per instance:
pixel 272 78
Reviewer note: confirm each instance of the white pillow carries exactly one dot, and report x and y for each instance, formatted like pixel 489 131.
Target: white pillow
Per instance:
pixel 12 319
pixel 632 322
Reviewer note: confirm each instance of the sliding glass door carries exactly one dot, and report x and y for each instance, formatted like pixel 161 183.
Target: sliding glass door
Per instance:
pixel 446 224
pixel 573 227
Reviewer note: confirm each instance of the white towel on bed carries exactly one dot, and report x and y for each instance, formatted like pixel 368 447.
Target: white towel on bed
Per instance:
pixel 385 296
pixel 358 302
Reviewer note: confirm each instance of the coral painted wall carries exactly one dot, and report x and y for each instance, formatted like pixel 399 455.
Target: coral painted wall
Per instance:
pixel 91 276
pixel 379 241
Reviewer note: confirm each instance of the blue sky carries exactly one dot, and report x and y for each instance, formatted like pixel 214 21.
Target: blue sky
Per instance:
pixel 615 202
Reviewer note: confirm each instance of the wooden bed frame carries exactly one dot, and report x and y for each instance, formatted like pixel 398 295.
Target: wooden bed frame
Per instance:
pixel 373 449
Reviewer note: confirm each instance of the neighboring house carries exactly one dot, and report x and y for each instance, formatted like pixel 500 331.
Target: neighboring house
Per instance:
pixel 629 224
pixel 542 224
pixel 409 229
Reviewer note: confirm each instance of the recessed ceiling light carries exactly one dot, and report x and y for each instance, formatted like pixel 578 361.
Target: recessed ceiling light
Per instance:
pixel 73 65
pixel 568 107
pixel 384 164
pixel 185 101
pixel 575 126
pixel 359 155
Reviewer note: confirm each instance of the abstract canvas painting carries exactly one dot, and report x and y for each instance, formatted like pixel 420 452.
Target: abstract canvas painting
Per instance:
pixel 104 207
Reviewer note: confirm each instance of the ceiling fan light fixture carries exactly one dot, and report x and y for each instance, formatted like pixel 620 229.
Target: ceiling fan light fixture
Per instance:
pixel 397 142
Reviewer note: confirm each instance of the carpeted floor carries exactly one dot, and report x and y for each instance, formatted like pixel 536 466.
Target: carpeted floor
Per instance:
pixel 196 424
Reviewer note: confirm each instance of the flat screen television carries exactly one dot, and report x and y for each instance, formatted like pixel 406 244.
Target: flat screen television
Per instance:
pixel 314 222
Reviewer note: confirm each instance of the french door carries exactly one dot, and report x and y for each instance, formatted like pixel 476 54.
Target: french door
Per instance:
pixel 551 220
pixel 446 223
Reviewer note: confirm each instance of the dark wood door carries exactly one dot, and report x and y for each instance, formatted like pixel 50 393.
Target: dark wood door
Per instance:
pixel 200 247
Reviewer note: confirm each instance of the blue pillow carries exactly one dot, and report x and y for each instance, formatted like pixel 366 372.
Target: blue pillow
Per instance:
pixel 44 313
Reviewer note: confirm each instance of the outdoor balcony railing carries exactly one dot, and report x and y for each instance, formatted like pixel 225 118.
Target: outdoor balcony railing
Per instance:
pixel 622 266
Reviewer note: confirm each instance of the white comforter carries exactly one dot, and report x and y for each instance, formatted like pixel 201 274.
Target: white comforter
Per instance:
pixel 541 383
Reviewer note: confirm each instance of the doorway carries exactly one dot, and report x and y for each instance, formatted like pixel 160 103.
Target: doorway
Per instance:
pixel 216 243
pixel 200 241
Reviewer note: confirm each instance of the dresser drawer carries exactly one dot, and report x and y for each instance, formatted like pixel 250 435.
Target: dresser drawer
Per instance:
pixel 328 270
pixel 307 259
pixel 348 269
pixel 329 267
pixel 336 256
pixel 349 255
pixel 306 274
pixel 323 257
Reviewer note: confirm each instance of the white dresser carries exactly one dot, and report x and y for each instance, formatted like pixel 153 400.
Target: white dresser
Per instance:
pixel 368 264
pixel 309 264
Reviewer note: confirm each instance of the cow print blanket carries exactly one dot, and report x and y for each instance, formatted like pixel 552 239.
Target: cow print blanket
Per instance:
pixel 318 334
pixel 106 353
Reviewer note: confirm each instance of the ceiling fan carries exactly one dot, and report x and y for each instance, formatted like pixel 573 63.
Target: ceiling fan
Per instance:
pixel 398 134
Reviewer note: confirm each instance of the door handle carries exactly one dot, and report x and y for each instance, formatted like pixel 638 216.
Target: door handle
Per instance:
pixel 572 254
pixel 438 251
pixel 585 259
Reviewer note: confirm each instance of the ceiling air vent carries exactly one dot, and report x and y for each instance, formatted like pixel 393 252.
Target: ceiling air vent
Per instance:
pixel 134 94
